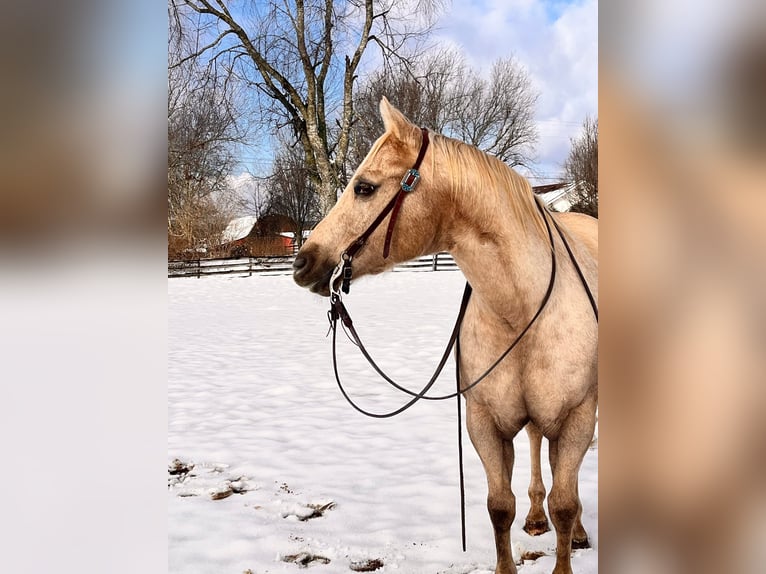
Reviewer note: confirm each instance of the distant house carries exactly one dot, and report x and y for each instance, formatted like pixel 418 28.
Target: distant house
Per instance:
pixel 252 237
pixel 291 235
pixel 556 196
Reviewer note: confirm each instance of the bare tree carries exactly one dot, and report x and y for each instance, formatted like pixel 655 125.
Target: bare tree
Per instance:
pixel 496 115
pixel 253 195
pixel 581 168
pixel 421 90
pixel 293 192
pixel 303 57
pixel 441 92
pixel 203 127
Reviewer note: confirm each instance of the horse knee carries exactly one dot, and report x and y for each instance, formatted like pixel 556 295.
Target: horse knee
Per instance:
pixel 502 510
pixel 564 508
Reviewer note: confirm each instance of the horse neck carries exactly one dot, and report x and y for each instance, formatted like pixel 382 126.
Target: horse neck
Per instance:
pixel 504 258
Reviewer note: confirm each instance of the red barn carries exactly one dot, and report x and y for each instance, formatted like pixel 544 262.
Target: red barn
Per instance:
pixel 269 235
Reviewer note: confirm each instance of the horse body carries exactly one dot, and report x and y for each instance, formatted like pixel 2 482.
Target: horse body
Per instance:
pixel 548 380
pixel 483 213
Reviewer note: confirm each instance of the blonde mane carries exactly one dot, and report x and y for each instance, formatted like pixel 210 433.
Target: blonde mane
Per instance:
pixel 468 167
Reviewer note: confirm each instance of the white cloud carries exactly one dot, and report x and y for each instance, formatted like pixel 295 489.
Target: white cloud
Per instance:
pixel 557 43
pixel 243 182
pixel 250 193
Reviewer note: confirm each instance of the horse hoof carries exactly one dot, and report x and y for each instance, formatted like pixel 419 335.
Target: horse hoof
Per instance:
pixel 536 527
pixel 579 544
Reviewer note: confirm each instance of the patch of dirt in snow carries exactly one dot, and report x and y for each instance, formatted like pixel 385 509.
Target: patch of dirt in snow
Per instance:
pixel 179 468
pixel 284 488
pixel 191 479
pixel 304 559
pixel 304 512
pixel 366 565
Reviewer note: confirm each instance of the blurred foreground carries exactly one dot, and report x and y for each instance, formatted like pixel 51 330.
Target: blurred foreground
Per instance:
pixel 683 231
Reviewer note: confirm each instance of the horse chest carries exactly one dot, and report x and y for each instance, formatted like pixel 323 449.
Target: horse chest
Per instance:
pixel 532 385
pixel 512 404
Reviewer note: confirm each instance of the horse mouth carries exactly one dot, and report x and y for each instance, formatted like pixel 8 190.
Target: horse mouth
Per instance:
pixel 319 285
pixel 313 269
pixel 322 286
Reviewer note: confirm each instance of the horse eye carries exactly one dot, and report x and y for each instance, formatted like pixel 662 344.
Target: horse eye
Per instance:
pixel 363 188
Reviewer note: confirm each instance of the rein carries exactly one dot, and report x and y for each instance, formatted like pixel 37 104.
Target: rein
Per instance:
pixel 338 311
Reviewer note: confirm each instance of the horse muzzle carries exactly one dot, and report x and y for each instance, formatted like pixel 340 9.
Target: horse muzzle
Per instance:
pixel 312 271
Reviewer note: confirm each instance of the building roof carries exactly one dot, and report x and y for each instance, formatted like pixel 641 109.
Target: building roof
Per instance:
pixel 557 196
pixel 238 228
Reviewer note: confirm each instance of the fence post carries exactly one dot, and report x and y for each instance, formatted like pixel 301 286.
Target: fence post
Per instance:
pixel 199 268
pixel 435 262
pixel 250 266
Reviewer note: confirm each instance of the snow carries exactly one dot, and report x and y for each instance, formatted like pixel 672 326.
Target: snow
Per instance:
pixel 253 405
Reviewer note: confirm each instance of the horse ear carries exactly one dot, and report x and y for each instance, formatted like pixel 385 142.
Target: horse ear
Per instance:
pixel 394 121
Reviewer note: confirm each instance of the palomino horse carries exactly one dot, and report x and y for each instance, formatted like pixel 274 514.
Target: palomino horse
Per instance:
pixel 485 215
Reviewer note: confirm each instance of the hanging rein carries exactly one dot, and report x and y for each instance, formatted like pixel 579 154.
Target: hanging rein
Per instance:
pixel 338 311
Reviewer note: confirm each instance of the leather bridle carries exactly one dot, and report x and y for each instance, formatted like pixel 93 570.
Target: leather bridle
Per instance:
pixel 407 185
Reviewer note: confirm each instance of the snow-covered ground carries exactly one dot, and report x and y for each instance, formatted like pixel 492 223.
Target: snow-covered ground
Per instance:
pixel 253 406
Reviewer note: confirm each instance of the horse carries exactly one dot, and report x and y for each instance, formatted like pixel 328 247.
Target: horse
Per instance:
pixel 485 214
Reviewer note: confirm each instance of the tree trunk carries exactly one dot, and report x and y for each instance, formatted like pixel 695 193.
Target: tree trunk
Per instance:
pixel 328 196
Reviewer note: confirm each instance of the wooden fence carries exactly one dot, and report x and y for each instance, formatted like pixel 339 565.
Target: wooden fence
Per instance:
pixel 438 262
pixel 247 266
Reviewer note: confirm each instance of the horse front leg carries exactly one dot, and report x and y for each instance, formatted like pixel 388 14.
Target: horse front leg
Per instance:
pixel 567 452
pixel 579 535
pixel 496 455
pixel 536 522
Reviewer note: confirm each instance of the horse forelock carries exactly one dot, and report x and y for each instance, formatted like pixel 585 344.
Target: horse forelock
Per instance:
pixel 468 168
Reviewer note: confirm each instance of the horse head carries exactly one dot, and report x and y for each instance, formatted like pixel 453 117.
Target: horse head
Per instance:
pixel 374 185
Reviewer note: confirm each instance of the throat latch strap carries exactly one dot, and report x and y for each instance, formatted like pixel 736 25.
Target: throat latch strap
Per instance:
pixel 408 184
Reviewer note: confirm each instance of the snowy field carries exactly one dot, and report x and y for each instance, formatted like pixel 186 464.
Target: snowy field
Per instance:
pixel 281 470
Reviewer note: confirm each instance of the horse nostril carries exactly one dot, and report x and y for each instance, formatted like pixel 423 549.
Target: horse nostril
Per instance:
pixel 299 263
pixel 304 267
